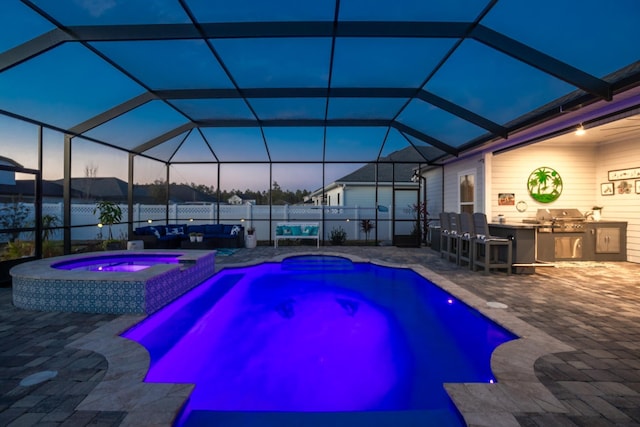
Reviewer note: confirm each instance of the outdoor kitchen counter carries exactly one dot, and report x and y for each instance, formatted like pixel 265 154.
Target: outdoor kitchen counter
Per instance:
pixel 524 244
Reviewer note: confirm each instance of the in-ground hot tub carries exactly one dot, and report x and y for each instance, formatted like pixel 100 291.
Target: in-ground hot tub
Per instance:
pixel 118 282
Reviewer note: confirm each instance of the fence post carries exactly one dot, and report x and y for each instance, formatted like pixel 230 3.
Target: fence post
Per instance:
pixel 356 220
pixel 136 215
pixel 390 222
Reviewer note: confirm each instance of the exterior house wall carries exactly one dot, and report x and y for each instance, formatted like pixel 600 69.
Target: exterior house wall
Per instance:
pixel 7 177
pixel 582 169
pixel 364 196
pixel 451 171
pixel 234 200
pixel 626 206
pixel 434 191
pixel 511 170
pixel 333 195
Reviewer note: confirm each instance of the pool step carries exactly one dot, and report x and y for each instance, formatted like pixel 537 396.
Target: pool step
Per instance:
pixel 414 418
pixel 317 263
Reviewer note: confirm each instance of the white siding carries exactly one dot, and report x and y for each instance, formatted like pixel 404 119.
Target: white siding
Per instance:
pixel 511 170
pixel 360 196
pixel 475 163
pixel 434 192
pixel 582 168
pixel 623 207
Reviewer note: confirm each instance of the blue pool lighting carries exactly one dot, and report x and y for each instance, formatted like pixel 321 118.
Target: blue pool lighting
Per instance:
pixel 319 336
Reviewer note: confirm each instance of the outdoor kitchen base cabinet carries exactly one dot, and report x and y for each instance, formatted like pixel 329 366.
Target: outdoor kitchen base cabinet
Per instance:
pixel 602 241
pixel 568 247
pixel 608 241
pixel 561 247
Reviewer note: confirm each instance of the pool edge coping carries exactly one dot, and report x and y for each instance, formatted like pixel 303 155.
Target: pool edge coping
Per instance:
pixel 517 389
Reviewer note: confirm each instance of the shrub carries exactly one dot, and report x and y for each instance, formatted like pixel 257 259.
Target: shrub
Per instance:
pixel 338 236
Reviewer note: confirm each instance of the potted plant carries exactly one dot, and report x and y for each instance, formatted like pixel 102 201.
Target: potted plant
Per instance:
pixel 109 214
pixel 199 237
pixel 251 241
pixel 596 211
pixel 192 237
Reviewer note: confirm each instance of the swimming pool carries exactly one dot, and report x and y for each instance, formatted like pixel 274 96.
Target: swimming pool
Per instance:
pixel 315 337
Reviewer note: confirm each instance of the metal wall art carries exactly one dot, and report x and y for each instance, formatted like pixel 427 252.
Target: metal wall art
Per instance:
pixel 544 185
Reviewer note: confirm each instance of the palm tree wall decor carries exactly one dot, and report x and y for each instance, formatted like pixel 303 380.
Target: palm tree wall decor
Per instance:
pixel 544 185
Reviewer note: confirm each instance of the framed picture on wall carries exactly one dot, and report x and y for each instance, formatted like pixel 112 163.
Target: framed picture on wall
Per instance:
pixel 506 199
pixel 638 186
pixel 606 188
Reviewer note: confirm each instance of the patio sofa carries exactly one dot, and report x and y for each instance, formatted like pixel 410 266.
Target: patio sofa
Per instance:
pixel 171 236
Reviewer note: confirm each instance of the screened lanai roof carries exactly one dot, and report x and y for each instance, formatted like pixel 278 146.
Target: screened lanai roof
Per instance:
pixel 309 81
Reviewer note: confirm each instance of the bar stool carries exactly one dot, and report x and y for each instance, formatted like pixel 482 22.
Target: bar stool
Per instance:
pixel 454 237
pixel 445 230
pixel 486 248
pixel 465 239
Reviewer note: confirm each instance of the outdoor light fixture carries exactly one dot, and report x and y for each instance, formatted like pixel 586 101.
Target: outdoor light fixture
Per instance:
pixel 149 221
pixel 580 130
pixel 99 225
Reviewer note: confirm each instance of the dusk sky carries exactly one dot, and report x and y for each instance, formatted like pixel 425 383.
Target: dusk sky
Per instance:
pixel 74 82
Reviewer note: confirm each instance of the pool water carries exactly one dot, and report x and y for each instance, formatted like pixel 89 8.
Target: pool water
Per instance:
pixel 119 263
pixel 320 338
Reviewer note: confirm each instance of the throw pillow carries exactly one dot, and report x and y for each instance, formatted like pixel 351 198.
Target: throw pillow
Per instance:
pixel 235 230
pixel 174 230
pixel 155 232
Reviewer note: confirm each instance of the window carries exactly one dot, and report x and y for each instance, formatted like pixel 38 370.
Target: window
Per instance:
pixel 466 191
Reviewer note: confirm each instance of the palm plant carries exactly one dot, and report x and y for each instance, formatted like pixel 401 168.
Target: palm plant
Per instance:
pixel 110 214
pixel 48 222
pixel 366 225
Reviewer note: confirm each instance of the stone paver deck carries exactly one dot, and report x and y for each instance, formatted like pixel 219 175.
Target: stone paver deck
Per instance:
pixel 588 314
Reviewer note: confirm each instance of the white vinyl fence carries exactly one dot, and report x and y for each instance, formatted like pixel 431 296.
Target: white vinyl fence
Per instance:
pixel 348 218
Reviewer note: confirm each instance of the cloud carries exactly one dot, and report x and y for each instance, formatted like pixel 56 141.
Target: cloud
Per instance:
pixel 96 8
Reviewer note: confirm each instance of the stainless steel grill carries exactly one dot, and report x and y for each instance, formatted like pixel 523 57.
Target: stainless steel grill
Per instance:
pixel 560 221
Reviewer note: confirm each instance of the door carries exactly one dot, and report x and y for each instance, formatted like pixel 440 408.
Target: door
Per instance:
pixel 607 240
pixel 406 217
pixel 568 247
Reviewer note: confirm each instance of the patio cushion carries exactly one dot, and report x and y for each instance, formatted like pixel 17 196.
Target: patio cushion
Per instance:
pixel 154 231
pixel 196 229
pixel 213 228
pixel 176 230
